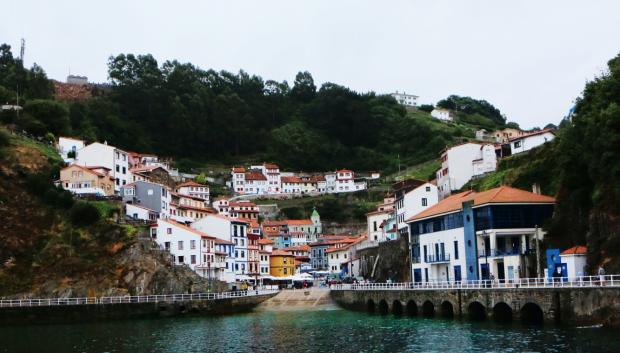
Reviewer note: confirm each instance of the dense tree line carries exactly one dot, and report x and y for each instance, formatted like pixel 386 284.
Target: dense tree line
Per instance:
pixel 179 110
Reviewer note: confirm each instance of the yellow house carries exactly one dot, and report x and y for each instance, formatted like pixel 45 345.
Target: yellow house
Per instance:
pixel 87 180
pixel 281 264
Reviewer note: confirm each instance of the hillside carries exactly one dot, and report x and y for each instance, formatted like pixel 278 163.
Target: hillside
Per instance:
pixel 54 246
pixel 581 167
pixel 204 117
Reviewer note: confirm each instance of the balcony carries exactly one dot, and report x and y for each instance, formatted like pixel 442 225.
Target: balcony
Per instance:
pixel 437 258
pixel 499 252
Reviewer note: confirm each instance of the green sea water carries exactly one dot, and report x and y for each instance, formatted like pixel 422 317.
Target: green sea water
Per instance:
pixel 304 331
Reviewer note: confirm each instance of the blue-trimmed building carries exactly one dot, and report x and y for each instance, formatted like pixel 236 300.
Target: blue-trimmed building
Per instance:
pixel 479 235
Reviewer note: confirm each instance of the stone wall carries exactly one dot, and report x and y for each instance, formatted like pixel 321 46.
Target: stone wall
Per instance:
pixel 393 261
pixel 572 306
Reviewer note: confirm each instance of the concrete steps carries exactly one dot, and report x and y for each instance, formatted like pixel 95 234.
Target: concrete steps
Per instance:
pixel 297 299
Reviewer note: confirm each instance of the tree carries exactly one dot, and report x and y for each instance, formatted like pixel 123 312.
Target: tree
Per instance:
pixel 512 125
pixel 468 105
pixel 304 88
pixel 426 108
pixel 54 115
pixel 551 126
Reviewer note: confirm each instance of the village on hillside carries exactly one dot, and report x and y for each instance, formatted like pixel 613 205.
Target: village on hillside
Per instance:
pixel 449 234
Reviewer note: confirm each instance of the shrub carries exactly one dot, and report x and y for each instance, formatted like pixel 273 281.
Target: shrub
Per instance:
pixel 5 139
pixel 84 214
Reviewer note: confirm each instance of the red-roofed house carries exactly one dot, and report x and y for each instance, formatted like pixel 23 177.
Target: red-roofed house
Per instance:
pixel 192 188
pixel 530 140
pixel 476 235
pixel 87 180
pixel 575 259
pixel 189 247
pixel 460 163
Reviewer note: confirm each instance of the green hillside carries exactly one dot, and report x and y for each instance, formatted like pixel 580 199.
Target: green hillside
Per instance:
pixel 204 117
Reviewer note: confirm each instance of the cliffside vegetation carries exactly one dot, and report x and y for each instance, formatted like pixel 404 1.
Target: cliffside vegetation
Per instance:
pixel 195 115
pixel 582 168
pixel 53 245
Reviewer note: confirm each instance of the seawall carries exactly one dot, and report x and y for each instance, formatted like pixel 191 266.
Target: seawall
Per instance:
pixel 571 306
pixel 82 313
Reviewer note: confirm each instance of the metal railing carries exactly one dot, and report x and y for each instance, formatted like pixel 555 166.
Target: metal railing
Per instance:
pixel 521 283
pixel 437 258
pixel 165 298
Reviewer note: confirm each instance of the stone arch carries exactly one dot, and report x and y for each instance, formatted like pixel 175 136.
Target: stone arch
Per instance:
pixel 383 307
pixel 531 313
pixel 446 309
pixel 412 308
pixel 397 307
pixel 370 306
pixel 502 312
pixel 476 311
pixel 428 309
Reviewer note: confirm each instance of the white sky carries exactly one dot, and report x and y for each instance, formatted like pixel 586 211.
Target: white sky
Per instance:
pixel 530 58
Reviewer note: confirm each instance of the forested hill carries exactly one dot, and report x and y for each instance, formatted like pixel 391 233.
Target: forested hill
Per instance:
pixel 179 110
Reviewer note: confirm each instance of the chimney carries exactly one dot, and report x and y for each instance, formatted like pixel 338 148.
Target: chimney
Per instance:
pixel 536 188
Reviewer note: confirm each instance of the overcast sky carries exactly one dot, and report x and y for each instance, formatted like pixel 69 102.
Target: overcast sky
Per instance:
pixel 530 59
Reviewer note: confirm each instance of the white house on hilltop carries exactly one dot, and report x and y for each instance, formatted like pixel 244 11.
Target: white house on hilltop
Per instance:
pixel 408 100
pixel 68 144
pixel 527 142
pixel 460 163
pixel 442 114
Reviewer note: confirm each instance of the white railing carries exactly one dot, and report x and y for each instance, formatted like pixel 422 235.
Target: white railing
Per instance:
pixel 523 283
pixel 166 298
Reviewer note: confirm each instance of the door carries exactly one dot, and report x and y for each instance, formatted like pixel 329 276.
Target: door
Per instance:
pixel 500 272
pixel 511 273
pixel 426 274
pixel 457 273
pixel 484 271
pixel 417 275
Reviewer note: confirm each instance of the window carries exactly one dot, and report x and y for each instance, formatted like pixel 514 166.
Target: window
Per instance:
pixel 193 259
pixel 374 225
pixel 118 168
pixel 169 231
pixel 181 259
pixel 428 188
pixel 180 245
pixel 517 144
pixel 424 201
pixel 124 170
pixel 425 254
pixel 192 244
pixel 456 250
pixel 167 245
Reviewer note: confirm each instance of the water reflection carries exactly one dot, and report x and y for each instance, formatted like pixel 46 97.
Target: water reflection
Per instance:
pixel 304 331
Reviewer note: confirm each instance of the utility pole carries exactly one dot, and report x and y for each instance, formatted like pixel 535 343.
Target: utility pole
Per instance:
pixel 537 251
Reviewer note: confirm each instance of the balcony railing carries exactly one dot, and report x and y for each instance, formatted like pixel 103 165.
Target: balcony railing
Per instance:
pixel 438 258
pixel 498 252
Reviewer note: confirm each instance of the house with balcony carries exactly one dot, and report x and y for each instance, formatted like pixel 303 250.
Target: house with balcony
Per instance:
pixel 233 230
pixel 265 247
pixel 87 180
pixel 192 188
pixel 479 235
pixel 189 247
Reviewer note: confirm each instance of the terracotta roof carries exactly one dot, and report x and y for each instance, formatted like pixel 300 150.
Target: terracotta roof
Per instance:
pixel 222 241
pixel 532 134
pixel 299 222
pixel 255 176
pixel 575 250
pixel 296 248
pixel 344 171
pixel 265 241
pixel 190 183
pixel 202 209
pixel 271 166
pixel 291 179
pixel 242 204
pixel 238 170
pixel 502 194
pixel 317 178
pixel 278 252
pixel 183 226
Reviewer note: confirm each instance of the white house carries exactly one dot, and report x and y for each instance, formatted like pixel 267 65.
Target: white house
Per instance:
pixel 527 142
pixel 345 181
pixel 230 229
pixel 188 247
pixel 68 144
pixel 479 236
pixel 374 222
pixel 264 251
pixel 575 259
pixel 442 114
pixel 238 180
pixel 192 188
pixel 405 99
pixel 330 182
pixel 102 154
pixel 461 163
pixel 414 202
pixel 140 212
